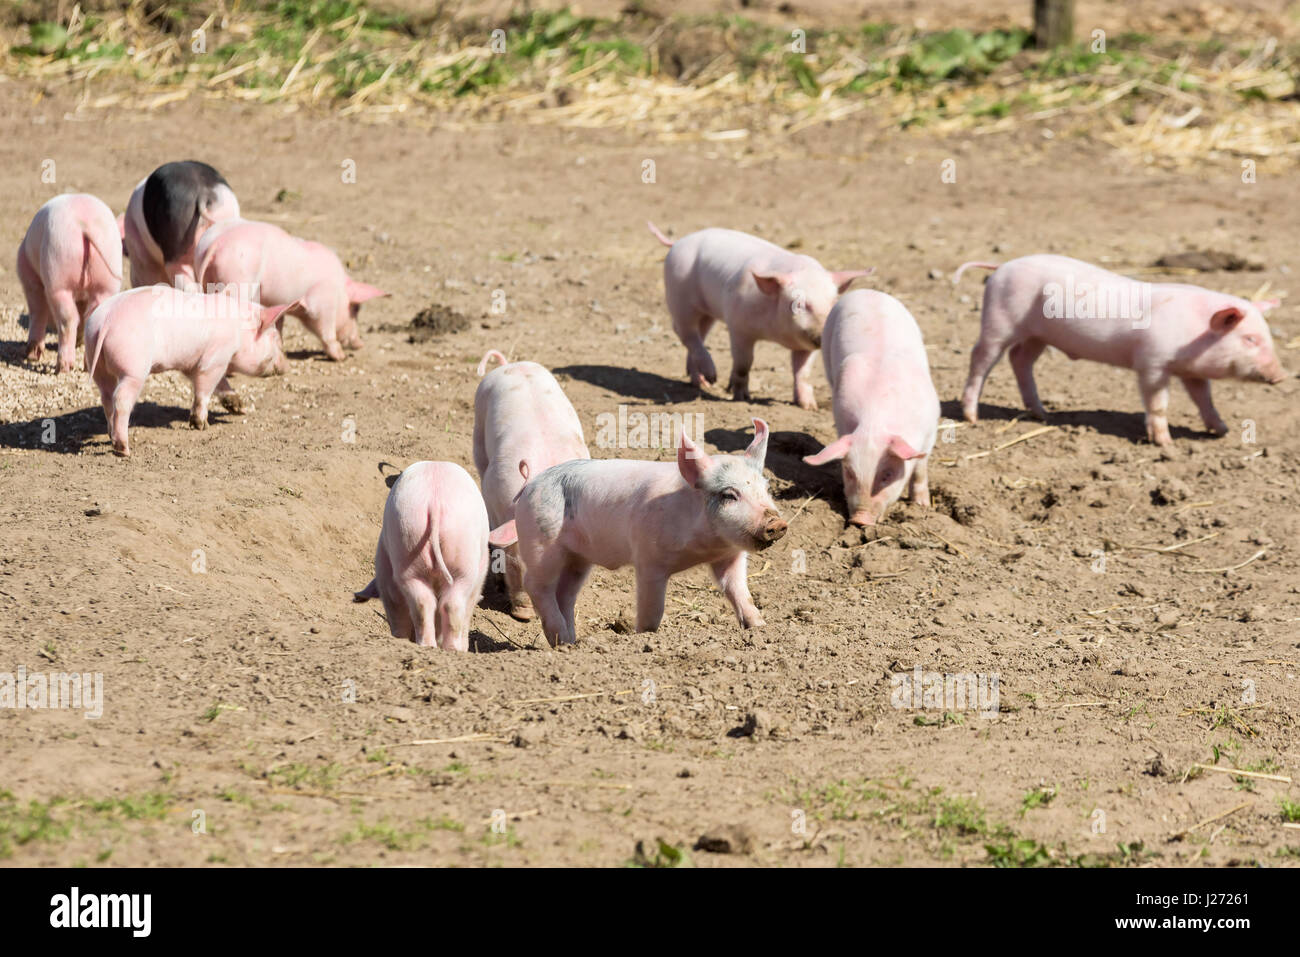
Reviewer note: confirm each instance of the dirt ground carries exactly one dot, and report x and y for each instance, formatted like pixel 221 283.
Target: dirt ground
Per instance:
pixel 253 715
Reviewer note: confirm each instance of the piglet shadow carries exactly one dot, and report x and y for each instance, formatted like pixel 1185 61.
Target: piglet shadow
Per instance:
pixel 1123 425
pixel 74 432
pixel 785 452
pixel 637 384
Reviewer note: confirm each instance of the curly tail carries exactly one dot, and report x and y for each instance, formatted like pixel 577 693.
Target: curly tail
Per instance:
pixel 654 231
pixel 956 277
pixel 90 240
pixel 436 549
pixel 93 360
pixel 489 355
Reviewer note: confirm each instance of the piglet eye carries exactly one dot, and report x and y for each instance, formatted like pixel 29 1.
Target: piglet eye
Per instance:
pixel 731 495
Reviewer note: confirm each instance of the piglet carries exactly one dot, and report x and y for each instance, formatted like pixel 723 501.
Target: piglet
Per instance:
pixel 284 269
pixel 167 214
pixel 658 517
pixel 69 262
pixel 158 328
pixel 886 408
pixel 1159 330
pixel 523 424
pixel 759 291
pixel 432 555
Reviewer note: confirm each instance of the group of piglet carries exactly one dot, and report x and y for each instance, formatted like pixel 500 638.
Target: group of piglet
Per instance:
pixel 210 290
pixel 213 289
pixel 555 512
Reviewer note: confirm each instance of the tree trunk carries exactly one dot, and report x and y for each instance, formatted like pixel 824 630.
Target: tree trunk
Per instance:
pixel 1053 23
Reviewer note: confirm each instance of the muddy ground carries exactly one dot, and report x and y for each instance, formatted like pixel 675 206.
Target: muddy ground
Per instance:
pixel 252 714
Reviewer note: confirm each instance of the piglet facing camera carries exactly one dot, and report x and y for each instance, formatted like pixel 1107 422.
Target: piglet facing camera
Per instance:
pixel 659 517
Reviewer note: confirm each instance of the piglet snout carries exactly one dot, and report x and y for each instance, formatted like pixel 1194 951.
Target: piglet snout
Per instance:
pixel 773 527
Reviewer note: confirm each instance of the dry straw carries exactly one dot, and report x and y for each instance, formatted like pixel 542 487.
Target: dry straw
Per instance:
pixel 1173 110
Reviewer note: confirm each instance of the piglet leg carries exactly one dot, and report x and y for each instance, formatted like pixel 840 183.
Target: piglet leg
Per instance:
pixel 205 383
pixel 983 358
pixel 1154 385
pixel 67 319
pixel 38 310
pixel 1199 390
pixel 124 395
pixel 803 390
pixel 730 574
pixel 921 483
pixel 651 586
pixel 1023 355
pixel 742 360
pixel 231 400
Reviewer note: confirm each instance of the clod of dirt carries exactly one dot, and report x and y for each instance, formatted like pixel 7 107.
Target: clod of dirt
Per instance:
pixel 1167 619
pixel 1169 491
pixel 758 724
pixel 1207 261
pixel 726 839
pixel 1156 768
pixel 527 736
pixel 623 626
pixel 431 322
pixel 1255 613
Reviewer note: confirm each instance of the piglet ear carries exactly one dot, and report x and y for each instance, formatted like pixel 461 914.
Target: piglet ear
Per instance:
pixel 843 278
pixel 359 292
pixel 836 450
pixel 1264 305
pixel 270 314
pixel 1226 319
pixel 757 451
pixel 691 461
pixel 898 445
pixel 770 283
pixel 503 535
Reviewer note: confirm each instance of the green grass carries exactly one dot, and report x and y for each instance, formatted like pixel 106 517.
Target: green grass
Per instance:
pixel 60 819
pixel 408 838
pixel 665 855
pixel 1290 810
pixel 355 47
pixel 946 822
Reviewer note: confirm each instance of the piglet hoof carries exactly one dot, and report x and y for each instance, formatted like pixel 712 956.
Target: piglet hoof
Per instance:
pixel 522 612
pixel 1159 435
pixel 806 402
pixel 739 393
pixel 752 620
pixel 334 351
pixel 34 353
pixel 121 450
pixel 1219 428
pixel 197 422
pixel 234 402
